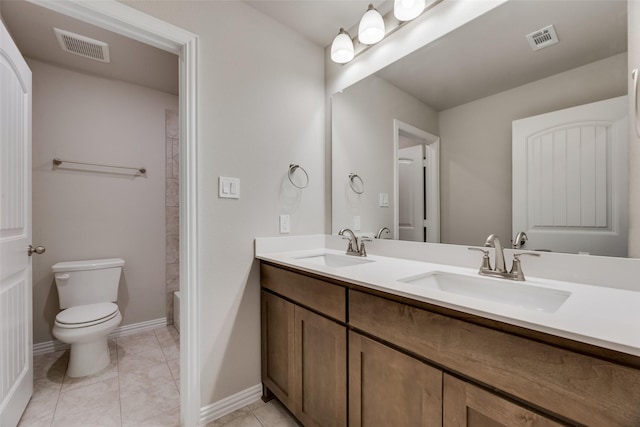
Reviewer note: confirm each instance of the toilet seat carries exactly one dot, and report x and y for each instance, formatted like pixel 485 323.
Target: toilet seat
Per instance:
pixel 83 316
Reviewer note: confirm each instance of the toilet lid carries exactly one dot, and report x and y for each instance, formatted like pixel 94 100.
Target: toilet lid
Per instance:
pixel 84 314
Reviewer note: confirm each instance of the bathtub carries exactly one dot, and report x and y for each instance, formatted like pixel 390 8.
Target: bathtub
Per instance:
pixel 176 310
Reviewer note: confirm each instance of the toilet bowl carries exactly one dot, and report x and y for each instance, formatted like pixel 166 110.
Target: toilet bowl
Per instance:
pixel 86 290
pixel 86 328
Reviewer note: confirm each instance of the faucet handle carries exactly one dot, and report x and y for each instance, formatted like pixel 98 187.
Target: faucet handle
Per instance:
pixel 516 255
pixel 363 251
pixel 486 262
pixel 516 267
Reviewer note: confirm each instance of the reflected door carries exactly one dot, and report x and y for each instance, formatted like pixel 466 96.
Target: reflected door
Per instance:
pixel 16 372
pixel 411 194
pixel 570 173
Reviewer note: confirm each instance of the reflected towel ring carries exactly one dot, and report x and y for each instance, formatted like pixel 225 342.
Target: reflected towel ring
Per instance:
pixel 353 177
pixel 292 169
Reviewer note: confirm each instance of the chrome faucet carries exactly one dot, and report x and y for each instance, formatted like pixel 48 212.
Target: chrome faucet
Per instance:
pixel 382 230
pixel 500 269
pixel 494 242
pixel 353 248
pixel 520 240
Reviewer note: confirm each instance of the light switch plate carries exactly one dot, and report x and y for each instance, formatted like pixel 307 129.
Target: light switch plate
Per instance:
pixel 383 199
pixel 356 223
pixel 285 224
pixel 228 188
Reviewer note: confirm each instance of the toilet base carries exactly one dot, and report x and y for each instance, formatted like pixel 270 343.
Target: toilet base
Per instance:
pixel 89 348
pixel 87 358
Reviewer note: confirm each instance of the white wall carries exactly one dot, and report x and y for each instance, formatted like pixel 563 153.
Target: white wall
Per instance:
pixel 88 215
pixel 261 107
pixel 362 143
pixel 475 149
pixel 634 140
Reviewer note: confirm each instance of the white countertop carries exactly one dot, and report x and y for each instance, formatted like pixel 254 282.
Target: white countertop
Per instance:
pixel 602 316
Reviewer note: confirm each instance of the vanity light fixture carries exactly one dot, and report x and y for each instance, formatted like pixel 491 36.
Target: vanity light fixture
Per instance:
pixel 406 10
pixel 342 48
pixel 371 29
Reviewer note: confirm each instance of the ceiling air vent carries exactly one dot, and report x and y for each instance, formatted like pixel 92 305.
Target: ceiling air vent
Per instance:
pixel 542 38
pixel 83 46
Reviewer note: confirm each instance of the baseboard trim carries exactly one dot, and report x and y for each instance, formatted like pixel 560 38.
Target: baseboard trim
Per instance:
pixel 56 345
pixel 229 404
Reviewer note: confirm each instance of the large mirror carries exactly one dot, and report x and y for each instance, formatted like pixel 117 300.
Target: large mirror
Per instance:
pixel 508 133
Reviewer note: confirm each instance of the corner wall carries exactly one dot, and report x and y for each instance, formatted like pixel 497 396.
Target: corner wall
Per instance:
pixel 362 142
pixel 260 108
pixel 87 212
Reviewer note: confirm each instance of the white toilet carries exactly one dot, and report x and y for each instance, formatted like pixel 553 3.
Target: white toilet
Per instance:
pixel 87 291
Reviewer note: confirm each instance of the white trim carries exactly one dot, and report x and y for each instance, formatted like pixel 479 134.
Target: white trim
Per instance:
pixel 432 145
pixel 56 345
pixel 229 404
pixel 127 21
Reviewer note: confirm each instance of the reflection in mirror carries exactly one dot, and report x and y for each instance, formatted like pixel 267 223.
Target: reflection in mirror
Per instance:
pixel 468 88
pixel 416 184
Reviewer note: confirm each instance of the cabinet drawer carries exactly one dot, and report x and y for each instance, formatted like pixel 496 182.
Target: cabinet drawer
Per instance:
pixel 584 389
pixel 318 295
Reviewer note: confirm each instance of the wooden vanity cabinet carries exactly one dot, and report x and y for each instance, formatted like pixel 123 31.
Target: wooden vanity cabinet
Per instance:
pixel 304 353
pixel 415 364
pixel 569 386
pixel 389 388
pixel 467 405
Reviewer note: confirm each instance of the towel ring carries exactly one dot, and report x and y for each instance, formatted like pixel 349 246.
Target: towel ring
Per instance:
pixel 354 186
pixel 292 169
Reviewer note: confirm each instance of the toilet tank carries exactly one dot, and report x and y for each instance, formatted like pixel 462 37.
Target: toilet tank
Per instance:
pixel 87 281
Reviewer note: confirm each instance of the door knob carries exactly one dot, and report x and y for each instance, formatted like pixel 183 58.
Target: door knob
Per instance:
pixel 38 250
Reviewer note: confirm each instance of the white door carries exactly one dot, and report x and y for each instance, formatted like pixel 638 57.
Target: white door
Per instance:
pixel 570 179
pixel 411 193
pixel 16 375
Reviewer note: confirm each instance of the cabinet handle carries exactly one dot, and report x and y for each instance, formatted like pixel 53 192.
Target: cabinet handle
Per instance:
pixel 634 74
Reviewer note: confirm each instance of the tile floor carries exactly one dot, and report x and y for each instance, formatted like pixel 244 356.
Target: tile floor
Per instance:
pixel 139 388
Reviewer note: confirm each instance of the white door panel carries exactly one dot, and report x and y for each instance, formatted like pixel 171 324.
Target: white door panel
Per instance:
pixel 570 179
pixel 16 380
pixel 411 193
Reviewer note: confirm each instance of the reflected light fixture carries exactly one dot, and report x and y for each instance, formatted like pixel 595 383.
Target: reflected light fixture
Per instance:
pixel 371 29
pixel 342 48
pixel 406 10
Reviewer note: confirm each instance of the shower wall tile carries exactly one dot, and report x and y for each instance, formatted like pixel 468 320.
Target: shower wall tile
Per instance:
pixel 173 248
pixel 172 211
pixel 172 123
pixel 169 158
pixel 172 217
pixel 176 157
pixel 172 196
pixel 173 277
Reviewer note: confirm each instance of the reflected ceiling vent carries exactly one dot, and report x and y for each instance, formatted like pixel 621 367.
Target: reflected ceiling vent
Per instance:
pixel 542 38
pixel 83 46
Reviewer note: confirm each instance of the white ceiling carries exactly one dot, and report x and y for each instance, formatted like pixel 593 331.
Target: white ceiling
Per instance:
pixel 491 54
pixel 318 20
pixel 31 27
pixel 486 56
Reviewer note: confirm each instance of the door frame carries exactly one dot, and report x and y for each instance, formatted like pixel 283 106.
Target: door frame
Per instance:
pixel 432 147
pixel 127 21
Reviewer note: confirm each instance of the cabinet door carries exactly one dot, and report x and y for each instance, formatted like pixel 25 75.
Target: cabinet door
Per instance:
pixel 277 346
pixel 466 405
pixel 320 370
pixel 389 388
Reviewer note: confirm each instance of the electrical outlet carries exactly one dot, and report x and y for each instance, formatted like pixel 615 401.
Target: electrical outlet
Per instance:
pixel 356 223
pixel 284 224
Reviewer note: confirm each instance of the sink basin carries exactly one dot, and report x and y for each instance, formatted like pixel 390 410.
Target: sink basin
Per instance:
pixel 333 260
pixel 502 291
